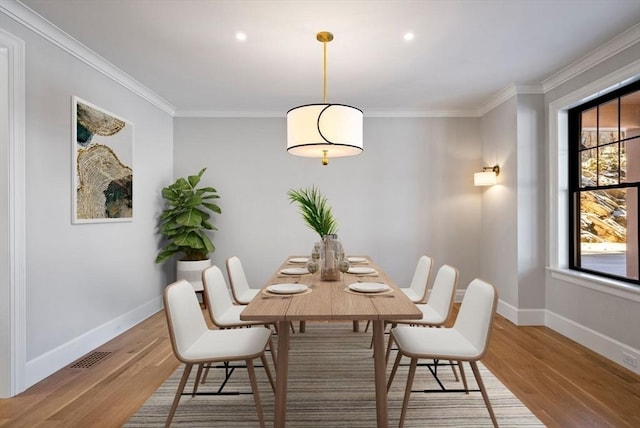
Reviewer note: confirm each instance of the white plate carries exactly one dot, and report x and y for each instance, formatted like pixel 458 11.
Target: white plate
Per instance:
pixel 358 270
pixel 298 259
pixel 287 288
pixel 357 259
pixel 295 271
pixel 368 287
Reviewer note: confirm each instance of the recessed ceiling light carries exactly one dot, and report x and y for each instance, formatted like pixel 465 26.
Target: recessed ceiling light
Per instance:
pixel 240 36
pixel 408 36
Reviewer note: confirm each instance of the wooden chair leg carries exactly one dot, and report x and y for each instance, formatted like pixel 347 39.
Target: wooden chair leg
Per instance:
pixel 463 376
pixel 366 327
pixel 393 371
pixel 455 372
pixel 263 358
pixel 197 381
pixel 256 392
pixel 485 396
pixel 272 349
pixel 407 391
pixel 302 328
pixel 176 399
pixel 389 346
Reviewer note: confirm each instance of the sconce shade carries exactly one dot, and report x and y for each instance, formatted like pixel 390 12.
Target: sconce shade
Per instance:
pixel 484 178
pixel 319 130
pixel 488 176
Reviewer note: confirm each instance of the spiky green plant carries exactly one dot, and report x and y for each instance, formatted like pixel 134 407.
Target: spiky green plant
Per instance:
pixel 315 210
pixel 186 219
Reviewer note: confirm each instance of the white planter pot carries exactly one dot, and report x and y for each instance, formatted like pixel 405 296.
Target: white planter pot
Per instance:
pixel 191 271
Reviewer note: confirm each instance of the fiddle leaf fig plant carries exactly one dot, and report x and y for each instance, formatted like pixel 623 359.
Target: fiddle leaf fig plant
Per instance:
pixel 315 210
pixel 186 219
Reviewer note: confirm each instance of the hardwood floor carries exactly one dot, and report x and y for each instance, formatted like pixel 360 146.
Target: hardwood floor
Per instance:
pixel 563 383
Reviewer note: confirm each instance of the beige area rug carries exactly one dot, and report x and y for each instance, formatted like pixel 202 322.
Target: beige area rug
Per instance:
pixel 331 384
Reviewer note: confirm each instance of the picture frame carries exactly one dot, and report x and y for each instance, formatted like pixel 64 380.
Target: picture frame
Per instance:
pixel 102 165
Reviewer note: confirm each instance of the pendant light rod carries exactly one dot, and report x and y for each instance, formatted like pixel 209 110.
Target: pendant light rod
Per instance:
pixel 324 37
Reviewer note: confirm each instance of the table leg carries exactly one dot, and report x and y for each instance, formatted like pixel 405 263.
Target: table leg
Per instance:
pixel 380 373
pixel 280 417
pixel 356 326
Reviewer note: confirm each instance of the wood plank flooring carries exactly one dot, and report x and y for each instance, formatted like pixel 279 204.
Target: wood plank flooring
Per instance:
pixel 563 383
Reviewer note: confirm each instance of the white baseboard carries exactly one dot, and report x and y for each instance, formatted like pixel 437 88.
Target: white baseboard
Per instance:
pixel 52 361
pixel 521 316
pixel 597 342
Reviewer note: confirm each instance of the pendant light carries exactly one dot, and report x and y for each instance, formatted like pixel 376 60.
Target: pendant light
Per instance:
pixel 324 130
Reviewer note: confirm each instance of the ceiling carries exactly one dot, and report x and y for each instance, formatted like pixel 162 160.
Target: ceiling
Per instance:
pixel 464 52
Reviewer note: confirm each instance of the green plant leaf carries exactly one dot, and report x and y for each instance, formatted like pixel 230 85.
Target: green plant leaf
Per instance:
pixel 314 209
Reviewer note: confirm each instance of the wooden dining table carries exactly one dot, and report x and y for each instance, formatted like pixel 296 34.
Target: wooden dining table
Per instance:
pixel 330 301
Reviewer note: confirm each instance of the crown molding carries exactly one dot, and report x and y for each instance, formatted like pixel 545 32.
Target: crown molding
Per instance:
pixel 282 114
pixel 508 92
pixel 604 52
pixel 227 113
pixel 39 25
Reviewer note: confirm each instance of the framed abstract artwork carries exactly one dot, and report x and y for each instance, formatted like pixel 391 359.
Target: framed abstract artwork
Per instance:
pixel 102 163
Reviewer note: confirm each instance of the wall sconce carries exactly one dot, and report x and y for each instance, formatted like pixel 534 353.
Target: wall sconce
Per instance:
pixel 487 177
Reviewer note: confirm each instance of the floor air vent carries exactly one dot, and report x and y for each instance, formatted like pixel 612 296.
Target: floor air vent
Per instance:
pixel 90 360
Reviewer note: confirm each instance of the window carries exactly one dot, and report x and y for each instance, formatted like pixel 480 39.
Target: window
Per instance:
pixel 604 184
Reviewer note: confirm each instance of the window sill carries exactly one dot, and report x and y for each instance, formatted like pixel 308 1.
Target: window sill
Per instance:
pixel 594 282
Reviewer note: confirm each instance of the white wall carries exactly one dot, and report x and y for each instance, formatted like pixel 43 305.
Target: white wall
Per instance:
pixel 5 317
pixel 410 193
pixel 85 283
pixel 499 255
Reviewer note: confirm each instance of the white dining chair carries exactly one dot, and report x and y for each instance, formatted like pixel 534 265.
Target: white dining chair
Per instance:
pixel 437 311
pixel 467 340
pixel 240 289
pixel 416 291
pixel 242 292
pixel 223 313
pixel 194 343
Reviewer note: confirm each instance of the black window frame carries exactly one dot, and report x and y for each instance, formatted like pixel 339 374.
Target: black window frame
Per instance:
pixel 574 179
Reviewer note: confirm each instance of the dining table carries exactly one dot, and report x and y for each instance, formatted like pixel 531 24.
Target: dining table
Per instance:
pixel 353 297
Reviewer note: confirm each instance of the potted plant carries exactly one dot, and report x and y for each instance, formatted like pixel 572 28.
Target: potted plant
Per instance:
pixel 317 213
pixel 184 223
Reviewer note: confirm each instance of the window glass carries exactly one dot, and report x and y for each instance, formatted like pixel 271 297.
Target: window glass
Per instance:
pixel 605 160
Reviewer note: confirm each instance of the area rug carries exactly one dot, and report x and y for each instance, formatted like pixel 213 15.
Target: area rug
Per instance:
pixel 331 384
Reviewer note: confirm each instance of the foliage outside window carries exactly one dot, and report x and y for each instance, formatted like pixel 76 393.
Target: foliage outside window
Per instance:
pixel 604 183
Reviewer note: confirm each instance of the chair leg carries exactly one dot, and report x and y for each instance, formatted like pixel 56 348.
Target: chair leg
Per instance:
pixel 263 358
pixel 393 371
pixel 453 369
pixel 197 381
pixel 463 376
pixel 272 349
pixel 205 374
pixel 366 327
pixel 176 399
pixel 302 328
pixel 389 346
pixel 256 392
pixel 407 391
pixel 485 396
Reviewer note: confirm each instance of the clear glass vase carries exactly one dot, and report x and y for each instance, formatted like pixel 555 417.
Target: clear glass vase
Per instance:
pixel 331 254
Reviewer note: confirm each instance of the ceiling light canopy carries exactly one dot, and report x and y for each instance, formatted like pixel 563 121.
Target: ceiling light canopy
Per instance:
pixel 324 130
